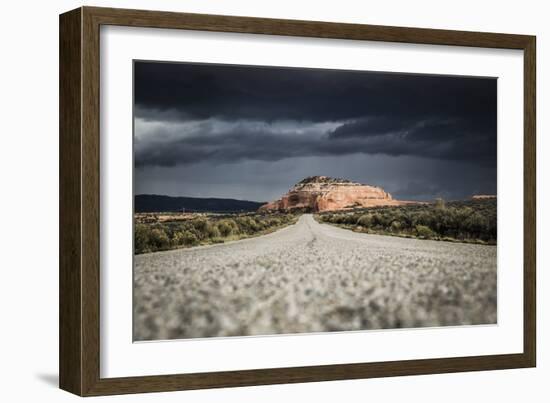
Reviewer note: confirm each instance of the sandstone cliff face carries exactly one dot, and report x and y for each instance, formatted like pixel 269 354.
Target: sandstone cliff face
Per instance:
pixel 321 193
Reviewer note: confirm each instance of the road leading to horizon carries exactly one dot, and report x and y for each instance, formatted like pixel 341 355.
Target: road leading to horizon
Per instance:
pixel 312 277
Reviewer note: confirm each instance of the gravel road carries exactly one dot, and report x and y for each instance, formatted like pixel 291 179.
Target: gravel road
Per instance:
pixel 312 277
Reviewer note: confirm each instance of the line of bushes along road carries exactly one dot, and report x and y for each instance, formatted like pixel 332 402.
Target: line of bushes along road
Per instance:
pixel 466 221
pixel 204 229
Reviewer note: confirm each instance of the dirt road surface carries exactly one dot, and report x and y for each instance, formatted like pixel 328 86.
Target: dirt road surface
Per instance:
pixel 312 277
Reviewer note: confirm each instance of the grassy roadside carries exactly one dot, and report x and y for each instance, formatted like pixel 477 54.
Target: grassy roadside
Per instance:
pixel 461 221
pixel 190 230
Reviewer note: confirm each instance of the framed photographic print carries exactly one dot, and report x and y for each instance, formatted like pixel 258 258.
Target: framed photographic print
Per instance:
pixel 249 201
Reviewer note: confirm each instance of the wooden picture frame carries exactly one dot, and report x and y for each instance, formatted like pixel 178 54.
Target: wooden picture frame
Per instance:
pixel 79 348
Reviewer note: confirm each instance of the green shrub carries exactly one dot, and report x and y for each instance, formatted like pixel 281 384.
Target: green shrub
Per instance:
pixel 200 224
pixel 141 239
pixel 395 226
pixel 185 238
pixel 224 228
pixel 247 224
pixel 212 231
pixel 476 224
pixel 424 232
pixel 365 220
pixel 159 239
pixel 351 219
pixel 338 219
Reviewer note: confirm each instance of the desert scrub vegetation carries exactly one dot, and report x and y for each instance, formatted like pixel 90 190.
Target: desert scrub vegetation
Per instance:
pixel 465 221
pixel 153 232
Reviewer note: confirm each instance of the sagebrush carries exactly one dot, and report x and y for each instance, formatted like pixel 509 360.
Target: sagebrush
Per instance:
pixel 474 221
pixel 157 235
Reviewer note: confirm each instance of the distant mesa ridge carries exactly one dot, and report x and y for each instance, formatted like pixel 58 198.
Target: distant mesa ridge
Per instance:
pixel 147 203
pixel 483 197
pixel 323 193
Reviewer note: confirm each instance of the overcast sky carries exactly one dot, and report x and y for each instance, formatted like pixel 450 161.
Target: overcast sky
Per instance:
pixel 245 132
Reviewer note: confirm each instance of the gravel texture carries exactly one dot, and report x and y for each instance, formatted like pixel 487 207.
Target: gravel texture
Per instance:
pixel 312 277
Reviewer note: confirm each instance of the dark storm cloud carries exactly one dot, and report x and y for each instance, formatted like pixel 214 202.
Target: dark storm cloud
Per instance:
pixel 196 91
pixel 373 113
pixel 221 142
pixel 171 144
pixel 454 139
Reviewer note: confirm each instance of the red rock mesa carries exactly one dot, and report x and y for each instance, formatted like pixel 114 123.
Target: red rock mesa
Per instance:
pixel 322 193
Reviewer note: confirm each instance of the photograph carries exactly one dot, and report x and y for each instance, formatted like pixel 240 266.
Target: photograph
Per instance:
pixel 274 200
